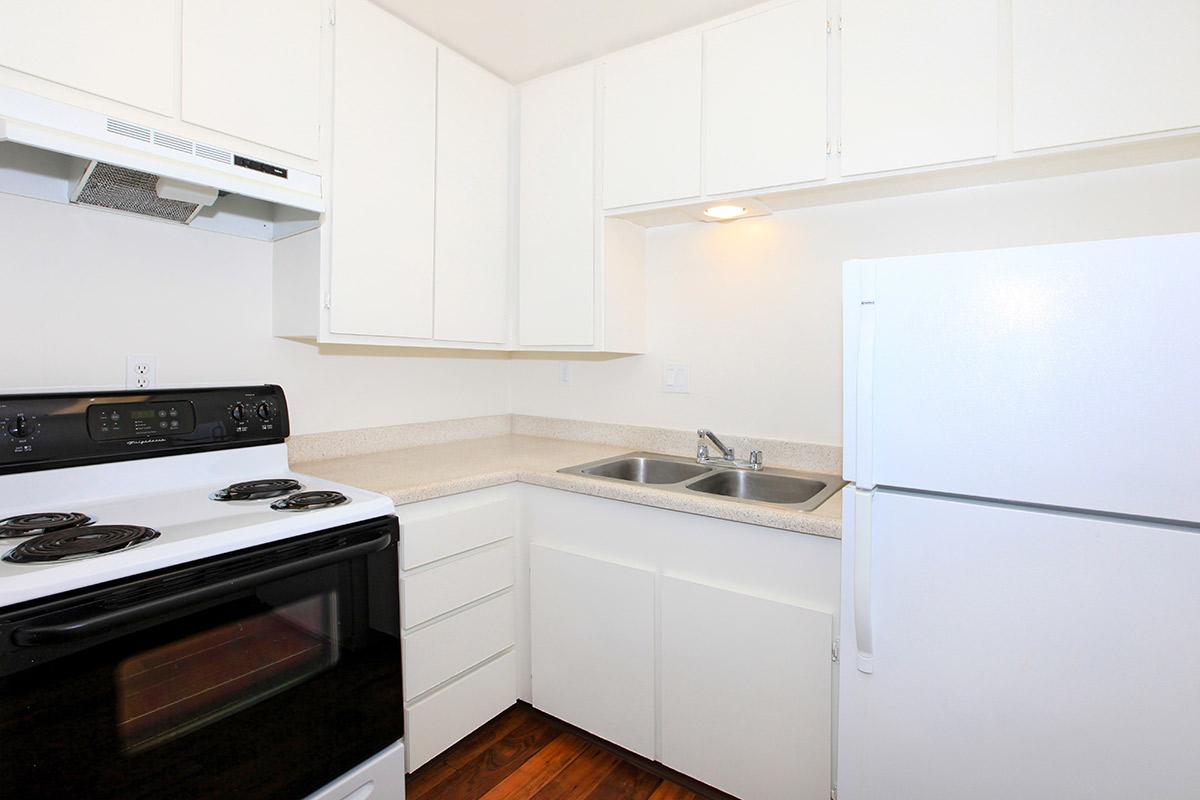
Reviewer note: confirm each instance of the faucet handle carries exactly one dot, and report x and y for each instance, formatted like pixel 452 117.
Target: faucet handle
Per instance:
pixel 756 459
pixel 701 452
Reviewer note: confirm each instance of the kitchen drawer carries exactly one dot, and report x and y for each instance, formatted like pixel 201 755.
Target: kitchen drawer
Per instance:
pixel 444 649
pixel 450 713
pixel 429 538
pixel 435 591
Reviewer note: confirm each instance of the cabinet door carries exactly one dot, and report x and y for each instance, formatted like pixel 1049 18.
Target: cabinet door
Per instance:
pixel 558 214
pixel 122 50
pixel 747 692
pixel 471 251
pixel 1084 70
pixel 918 83
pixel 652 122
pixel 383 175
pixel 592 639
pixel 253 70
pixel 765 99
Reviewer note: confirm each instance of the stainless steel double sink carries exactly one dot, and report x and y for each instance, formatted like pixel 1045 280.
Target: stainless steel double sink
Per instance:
pixel 800 491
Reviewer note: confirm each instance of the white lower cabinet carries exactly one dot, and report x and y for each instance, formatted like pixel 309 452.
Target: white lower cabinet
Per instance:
pixel 700 643
pixel 704 644
pixel 457 616
pixel 746 690
pixel 592 643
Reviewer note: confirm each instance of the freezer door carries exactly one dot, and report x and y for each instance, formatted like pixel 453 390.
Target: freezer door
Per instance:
pixel 1016 653
pixel 1065 375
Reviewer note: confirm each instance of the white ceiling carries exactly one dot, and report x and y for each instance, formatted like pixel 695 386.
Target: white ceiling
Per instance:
pixel 521 39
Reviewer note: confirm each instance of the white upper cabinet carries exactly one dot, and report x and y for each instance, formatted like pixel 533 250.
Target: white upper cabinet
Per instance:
pixel 765 99
pixel 918 83
pixel 1084 71
pixel 382 209
pixel 123 50
pixel 253 70
pixel 558 214
pixel 651 116
pixel 472 231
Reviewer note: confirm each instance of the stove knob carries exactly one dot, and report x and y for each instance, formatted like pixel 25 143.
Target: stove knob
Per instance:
pixel 264 412
pixel 238 412
pixel 18 426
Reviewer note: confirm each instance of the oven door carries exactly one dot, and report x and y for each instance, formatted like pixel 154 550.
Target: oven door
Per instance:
pixel 265 673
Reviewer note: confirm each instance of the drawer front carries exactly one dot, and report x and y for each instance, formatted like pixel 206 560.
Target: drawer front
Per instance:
pixel 445 649
pixel 453 711
pixel 429 538
pixel 432 592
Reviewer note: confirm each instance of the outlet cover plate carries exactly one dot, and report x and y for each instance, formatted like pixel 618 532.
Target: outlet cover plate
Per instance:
pixel 676 378
pixel 141 372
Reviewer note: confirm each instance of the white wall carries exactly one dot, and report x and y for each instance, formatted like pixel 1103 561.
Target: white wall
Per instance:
pixel 754 306
pixel 82 288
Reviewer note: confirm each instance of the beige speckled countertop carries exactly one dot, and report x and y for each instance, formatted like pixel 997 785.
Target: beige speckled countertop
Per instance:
pixel 435 470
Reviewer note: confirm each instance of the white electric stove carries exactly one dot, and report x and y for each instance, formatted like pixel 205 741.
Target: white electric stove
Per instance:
pixel 197 617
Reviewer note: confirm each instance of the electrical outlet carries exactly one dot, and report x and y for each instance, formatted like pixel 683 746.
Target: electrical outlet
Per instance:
pixel 676 378
pixel 141 372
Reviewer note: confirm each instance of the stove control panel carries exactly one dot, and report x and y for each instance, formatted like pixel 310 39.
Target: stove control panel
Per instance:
pixel 120 420
pixel 40 431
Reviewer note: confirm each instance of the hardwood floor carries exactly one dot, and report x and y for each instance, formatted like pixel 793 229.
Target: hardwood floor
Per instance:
pixel 525 755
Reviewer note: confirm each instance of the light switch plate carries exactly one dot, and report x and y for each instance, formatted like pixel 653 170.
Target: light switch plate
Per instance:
pixel 676 378
pixel 564 373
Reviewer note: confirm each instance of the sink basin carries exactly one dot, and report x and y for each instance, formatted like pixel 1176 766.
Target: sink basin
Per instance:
pixel 798 491
pixel 640 469
pixel 757 486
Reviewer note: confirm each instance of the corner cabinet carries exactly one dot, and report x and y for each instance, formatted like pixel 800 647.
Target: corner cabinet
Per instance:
pixel 416 246
pixel 581 278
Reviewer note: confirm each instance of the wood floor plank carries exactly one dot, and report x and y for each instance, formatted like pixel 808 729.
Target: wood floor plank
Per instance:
pixel 538 770
pixel 425 779
pixel 581 776
pixel 626 782
pixel 480 774
pixel 669 790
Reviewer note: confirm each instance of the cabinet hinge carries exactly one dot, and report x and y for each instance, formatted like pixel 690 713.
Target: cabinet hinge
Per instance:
pixel 828 25
pixel 828 148
pixel 839 23
pixel 328 302
pixel 833 793
pixel 839 147
pixel 332 16
pixel 837 649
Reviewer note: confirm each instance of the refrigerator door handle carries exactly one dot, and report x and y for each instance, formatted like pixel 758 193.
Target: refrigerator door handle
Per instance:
pixel 863 634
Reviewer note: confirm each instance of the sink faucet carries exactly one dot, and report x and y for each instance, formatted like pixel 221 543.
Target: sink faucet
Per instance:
pixel 727 459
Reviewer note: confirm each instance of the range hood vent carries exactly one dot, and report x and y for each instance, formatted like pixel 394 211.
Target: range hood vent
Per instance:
pixel 131 191
pixel 53 151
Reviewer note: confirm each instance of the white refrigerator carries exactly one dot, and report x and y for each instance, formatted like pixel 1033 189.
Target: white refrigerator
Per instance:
pixel 1021 555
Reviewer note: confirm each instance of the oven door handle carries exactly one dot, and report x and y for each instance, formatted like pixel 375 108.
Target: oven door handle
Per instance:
pixel 86 627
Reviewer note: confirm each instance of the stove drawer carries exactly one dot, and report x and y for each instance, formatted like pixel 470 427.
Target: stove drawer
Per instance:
pixel 437 590
pixel 433 533
pixel 436 653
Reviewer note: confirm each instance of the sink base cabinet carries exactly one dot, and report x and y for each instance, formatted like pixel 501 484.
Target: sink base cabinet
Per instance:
pixel 746 690
pixel 701 643
pixel 592 645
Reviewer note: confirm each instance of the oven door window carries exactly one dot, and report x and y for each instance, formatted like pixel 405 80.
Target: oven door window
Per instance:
pixel 173 689
pixel 267 691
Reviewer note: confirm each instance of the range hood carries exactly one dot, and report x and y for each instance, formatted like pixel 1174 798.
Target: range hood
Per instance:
pixel 54 151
